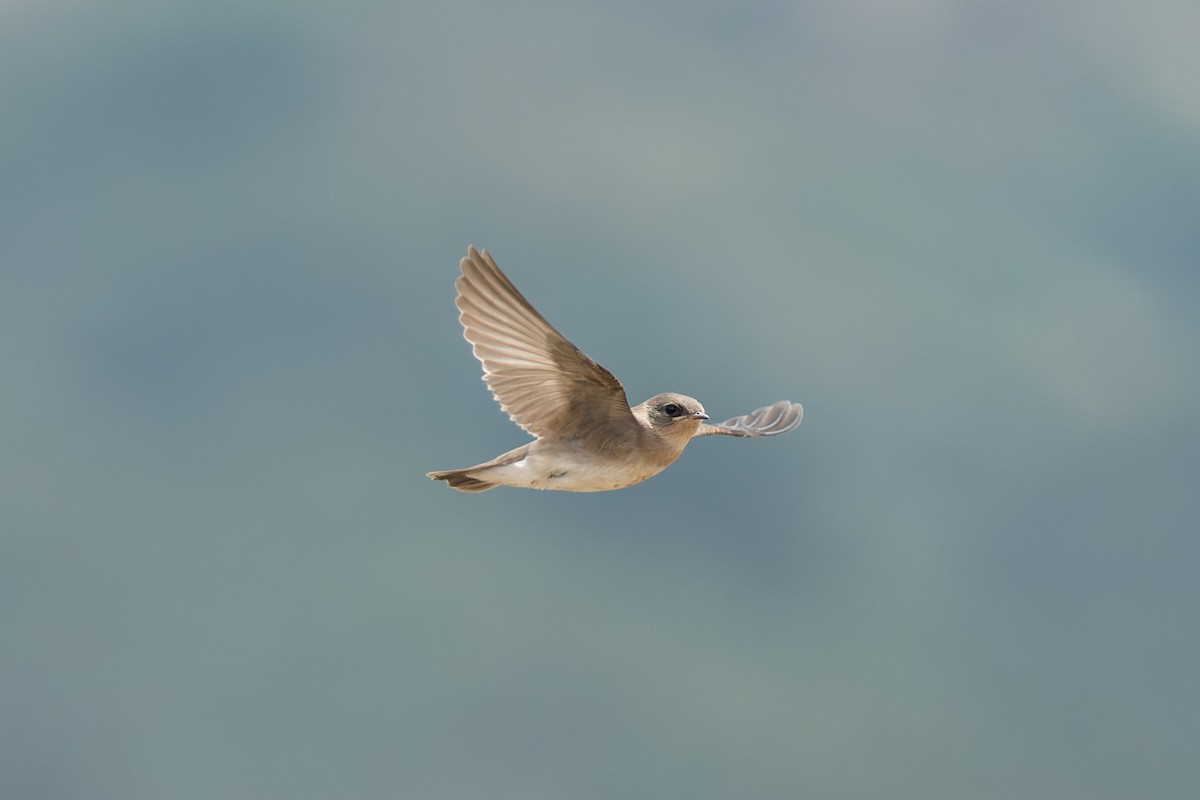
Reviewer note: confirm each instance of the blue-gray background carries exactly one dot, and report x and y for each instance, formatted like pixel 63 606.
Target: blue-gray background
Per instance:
pixel 966 236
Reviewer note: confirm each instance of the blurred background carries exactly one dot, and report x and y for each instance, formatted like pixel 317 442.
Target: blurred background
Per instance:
pixel 964 235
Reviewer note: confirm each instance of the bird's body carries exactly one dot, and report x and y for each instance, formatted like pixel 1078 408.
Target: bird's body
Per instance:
pixel 552 464
pixel 594 463
pixel 588 438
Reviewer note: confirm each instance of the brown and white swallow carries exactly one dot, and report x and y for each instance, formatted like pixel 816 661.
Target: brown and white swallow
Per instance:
pixel 587 438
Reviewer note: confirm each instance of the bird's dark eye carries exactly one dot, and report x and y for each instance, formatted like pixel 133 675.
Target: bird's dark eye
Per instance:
pixel 672 410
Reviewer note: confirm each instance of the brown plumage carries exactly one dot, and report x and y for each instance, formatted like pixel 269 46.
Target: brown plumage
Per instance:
pixel 587 437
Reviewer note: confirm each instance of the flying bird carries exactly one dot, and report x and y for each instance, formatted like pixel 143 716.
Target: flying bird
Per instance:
pixel 587 437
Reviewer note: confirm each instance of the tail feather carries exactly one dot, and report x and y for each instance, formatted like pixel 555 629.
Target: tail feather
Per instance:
pixel 461 479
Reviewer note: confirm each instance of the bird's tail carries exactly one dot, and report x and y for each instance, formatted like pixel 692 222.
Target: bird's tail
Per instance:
pixel 461 479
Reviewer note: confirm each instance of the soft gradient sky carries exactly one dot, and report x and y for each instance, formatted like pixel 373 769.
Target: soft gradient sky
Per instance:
pixel 966 236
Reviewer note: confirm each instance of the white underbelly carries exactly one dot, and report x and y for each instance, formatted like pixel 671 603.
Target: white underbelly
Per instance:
pixel 569 473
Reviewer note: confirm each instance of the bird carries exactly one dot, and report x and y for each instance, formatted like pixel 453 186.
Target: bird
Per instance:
pixel 587 438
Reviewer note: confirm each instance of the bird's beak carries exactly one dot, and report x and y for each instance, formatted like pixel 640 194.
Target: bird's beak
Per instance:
pixel 699 415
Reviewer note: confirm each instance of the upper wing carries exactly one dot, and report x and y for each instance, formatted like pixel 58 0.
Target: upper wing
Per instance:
pixel 544 382
pixel 769 420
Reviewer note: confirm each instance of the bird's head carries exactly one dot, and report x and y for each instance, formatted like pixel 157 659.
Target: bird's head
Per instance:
pixel 673 415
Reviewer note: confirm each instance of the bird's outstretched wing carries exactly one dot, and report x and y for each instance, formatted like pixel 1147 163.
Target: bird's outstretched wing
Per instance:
pixel 545 383
pixel 769 420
